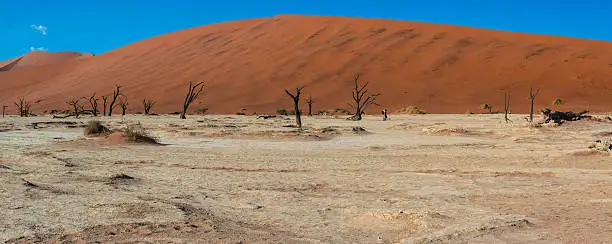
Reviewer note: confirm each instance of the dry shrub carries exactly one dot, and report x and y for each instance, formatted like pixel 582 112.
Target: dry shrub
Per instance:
pixel 360 131
pixel 413 110
pixel 95 128
pixel 137 133
pixel 604 145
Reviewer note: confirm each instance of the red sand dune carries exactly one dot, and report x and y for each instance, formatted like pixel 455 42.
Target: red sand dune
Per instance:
pixel 39 58
pixel 440 68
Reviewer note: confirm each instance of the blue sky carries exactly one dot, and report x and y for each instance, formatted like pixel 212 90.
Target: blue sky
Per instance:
pixel 97 26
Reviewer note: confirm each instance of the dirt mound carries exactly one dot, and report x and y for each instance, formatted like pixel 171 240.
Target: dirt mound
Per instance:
pixel 248 63
pixel 118 138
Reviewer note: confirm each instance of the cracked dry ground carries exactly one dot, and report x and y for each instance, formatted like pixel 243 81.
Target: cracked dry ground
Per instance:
pixel 233 179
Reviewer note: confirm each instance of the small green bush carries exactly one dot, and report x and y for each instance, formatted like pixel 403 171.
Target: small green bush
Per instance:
pixel 282 111
pixel 486 106
pixel 292 112
pixel 342 110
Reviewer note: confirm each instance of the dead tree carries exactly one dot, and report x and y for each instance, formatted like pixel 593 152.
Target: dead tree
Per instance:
pixel 361 99
pixel 532 97
pixel 192 95
pixel 104 102
pixel 309 102
pixel 123 104
pixel 23 106
pixel 296 105
pixel 3 109
pixel 76 106
pixel 93 102
pixel 506 106
pixel 116 94
pixel 147 104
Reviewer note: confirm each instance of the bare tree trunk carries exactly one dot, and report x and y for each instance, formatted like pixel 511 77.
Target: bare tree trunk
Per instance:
pixel 532 97
pixel 147 104
pixel 123 104
pixel 75 106
pixel 309 102
pixel 506 106
pixel 3 109
pixel 116 94
pixel 296 105
pixel 105 100
pixel 192 94
pixel 359 103
pixel 23 106
pixel 93 102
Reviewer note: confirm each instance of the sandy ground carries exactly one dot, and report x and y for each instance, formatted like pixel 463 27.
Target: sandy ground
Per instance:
pixel 243 179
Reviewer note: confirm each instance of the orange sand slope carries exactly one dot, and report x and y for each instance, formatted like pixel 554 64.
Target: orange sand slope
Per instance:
pixel 440 68
pixel 38 58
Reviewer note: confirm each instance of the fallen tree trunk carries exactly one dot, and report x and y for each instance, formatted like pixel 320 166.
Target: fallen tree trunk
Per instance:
pixel 558 116
pixel 62 116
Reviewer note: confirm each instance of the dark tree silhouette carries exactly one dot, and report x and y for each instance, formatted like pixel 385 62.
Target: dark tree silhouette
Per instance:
pixel 75 103
pixel 532 97
pixel 361 99
pixel 192 94
pixel 93 102
pixel 105 101
pixel 309 102
pixel 147 104
pixel 116 94
pixel 123 104
pixel 3 110
pixel 296 105
pixel 23 106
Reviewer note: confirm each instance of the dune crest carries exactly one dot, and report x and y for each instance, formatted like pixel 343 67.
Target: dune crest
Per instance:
pixel 39 58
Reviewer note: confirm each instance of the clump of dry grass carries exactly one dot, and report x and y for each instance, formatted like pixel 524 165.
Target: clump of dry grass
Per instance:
pixel 445 131
pixel 137 133
pixel 413 110
pixel 95 128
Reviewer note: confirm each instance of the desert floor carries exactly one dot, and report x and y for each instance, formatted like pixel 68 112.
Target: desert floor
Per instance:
pixel 232 179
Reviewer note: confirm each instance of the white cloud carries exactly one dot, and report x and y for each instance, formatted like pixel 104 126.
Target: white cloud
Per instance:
pixel 41 28
pixel 38 49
